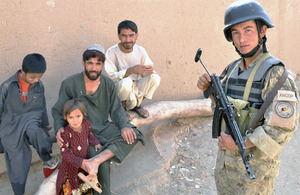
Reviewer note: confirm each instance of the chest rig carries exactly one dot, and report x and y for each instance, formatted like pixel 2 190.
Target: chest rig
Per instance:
pixel 244 89
pixel 248 85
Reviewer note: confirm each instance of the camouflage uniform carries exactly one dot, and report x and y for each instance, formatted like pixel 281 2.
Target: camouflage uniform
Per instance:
pixel 280 122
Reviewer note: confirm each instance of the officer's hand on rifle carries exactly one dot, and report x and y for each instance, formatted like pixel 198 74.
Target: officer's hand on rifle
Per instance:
pixel 204 82
pixel 226 142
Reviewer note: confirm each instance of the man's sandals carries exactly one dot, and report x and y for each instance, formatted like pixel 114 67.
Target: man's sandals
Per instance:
pixel 92 180
pixel 141 111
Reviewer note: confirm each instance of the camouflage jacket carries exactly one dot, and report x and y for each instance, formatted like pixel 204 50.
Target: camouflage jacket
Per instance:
pixel 280 122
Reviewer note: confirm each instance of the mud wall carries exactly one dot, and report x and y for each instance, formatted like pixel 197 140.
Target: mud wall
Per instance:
pixel 170 30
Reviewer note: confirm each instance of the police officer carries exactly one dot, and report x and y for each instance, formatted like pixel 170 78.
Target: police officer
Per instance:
pixel 246 25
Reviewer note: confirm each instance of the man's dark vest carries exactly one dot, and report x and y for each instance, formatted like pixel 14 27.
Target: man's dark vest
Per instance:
pixel 237 81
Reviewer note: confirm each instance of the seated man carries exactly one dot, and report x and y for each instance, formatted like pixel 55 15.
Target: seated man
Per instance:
pixel 99 93
pixel 130 67
pixel 23 118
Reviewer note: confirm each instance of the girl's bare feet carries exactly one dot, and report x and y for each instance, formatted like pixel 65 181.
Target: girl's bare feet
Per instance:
pixel 90 166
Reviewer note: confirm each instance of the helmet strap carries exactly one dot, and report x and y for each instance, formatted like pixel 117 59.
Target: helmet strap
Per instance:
pixel 265 50
pixel 249 54
pixel 262 41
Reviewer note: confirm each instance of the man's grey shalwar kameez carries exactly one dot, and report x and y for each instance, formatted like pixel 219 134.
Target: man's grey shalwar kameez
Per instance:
pixel 102 104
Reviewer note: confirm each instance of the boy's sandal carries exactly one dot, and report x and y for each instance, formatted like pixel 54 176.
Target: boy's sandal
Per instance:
pixel 141 111
pixel 51 164
pixel 92 180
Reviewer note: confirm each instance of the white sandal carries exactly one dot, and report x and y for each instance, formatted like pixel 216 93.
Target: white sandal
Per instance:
pixel 92 180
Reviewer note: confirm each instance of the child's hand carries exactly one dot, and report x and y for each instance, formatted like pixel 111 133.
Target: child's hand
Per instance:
pixel 97 147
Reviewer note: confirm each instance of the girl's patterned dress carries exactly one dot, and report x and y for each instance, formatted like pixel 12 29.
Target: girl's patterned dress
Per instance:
pixel 75 148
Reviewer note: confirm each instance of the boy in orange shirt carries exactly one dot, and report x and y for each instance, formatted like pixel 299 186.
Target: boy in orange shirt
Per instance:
pixel 23 116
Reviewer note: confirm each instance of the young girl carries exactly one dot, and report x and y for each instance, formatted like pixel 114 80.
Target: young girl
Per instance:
pixel 77 136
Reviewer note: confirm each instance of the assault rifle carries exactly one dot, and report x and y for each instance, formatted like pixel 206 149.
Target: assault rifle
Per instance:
pixel 225 109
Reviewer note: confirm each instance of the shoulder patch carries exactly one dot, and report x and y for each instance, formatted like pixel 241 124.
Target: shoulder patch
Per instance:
pixel 284 109
pixel 284 95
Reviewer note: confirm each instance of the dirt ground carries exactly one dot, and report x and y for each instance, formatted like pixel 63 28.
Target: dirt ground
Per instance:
pixel 190 167
pixel 179 158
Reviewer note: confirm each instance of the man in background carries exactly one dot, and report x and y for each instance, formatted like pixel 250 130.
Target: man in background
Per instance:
pixel 132 70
